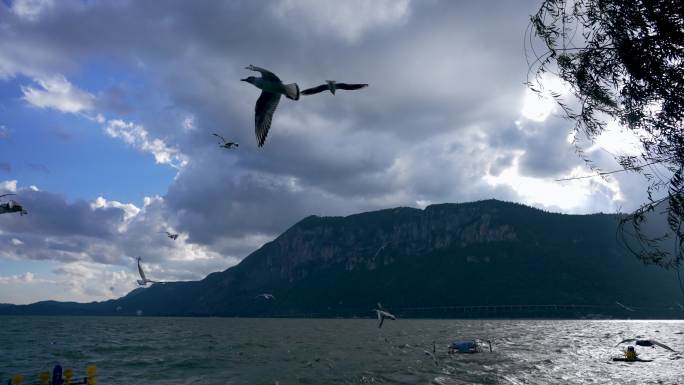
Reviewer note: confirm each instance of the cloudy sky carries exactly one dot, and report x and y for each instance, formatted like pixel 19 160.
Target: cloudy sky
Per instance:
pixel 107 110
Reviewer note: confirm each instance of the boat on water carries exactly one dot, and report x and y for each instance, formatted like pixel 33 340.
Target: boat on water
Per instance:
pixel 469 346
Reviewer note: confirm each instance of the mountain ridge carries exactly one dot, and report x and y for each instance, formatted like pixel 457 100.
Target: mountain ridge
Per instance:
pixel 442 259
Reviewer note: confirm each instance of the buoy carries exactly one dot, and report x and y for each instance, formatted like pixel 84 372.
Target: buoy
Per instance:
pixel 91 372
pixel 44 378
pixel 17 379
pixel 68 375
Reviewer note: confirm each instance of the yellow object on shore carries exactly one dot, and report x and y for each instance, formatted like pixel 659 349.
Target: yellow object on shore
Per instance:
pixel 91 372
pixel 44 378
pixel 17 379
pixel 68 375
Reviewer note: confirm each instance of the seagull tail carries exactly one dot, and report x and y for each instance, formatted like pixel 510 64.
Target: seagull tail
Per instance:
pixel 292 91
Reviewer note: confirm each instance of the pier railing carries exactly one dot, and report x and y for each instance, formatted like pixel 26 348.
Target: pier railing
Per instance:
pixel 58 377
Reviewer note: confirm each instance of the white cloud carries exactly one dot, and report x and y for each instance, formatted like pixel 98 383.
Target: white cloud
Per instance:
pixel 137 136
pixel 58 93
pixel 30 9
pixel 16 242
pixel 617 140
pixel 537 107
pixel 346 19
pixel 189 123
pixel 129 210
pixel 571 196
pixel 27 277
pixel 8 186
pixel 88 280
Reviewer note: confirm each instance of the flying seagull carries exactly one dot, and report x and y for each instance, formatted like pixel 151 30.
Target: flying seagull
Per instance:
pixel 265 296
pixel 651 343
pixel 432 354
pixel 624 306
pixel 332 86
pixel 11 206
pixel 143 281
pixel 224 143
pixel 170 235
pixel 382 314
pixel 271 88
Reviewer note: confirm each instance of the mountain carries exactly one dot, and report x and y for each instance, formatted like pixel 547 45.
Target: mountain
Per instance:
pixel 479 259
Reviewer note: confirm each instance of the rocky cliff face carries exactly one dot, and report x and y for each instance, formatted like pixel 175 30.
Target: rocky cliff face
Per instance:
pixel 366 241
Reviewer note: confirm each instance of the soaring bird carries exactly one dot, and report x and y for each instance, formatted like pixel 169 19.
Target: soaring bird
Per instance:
pixel 271 88
pixel 224 143
pixel 171 235
pixel 382 314
pixel 265 296
pixel 624 306
pixel 432 354
pixel 143 281
pixel 11 206
pixel 651 343
pixel 332 86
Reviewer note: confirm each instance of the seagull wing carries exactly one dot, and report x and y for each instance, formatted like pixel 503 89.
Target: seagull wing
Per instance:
pixel 624 306
pixel 5 195
pixel 220 137
pixel 627 340
pixel 315 90
pixel 266 74
pixel 263 114
pixel 662 345
pixel 140 270
pixel 381 318
pixel 346 86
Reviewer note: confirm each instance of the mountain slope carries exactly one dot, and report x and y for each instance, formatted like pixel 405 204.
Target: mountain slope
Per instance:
pixel 428 262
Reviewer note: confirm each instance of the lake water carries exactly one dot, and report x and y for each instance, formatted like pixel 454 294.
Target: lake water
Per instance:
pixel 208 351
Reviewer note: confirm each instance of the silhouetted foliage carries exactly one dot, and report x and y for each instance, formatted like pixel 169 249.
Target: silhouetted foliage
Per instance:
pixel 624 61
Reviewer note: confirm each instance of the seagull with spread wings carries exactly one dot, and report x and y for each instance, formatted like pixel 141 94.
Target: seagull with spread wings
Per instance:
pixel 224 143
pixel 265 296
pixel 271 88
pixel 332 86
pixel 11 206
pixel 382 314
pixel 651 343
pixel 171 235
pixel 143 281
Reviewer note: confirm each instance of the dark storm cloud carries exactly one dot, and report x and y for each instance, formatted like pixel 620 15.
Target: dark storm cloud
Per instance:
pixel 446 86
pixel 54 216
pixel 545 145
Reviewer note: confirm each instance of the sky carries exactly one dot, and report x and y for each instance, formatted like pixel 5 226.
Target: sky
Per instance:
pixel 107 110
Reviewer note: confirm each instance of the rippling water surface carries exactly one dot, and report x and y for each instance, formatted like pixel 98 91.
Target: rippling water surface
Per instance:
pixel 311 351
